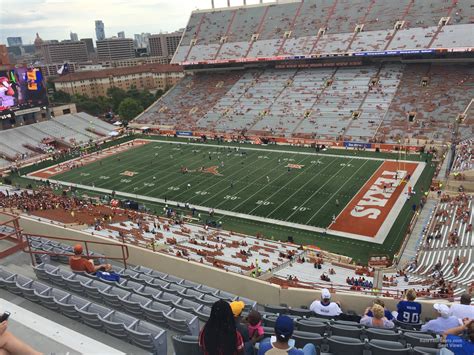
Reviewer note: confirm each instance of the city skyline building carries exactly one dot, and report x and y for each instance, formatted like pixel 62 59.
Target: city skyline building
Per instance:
pixel 99 30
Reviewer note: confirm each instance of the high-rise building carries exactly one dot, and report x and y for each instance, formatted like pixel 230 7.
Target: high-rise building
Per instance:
pixel 89 44
pixel 99 30
pixel 14 41
pixel 65 51
pixel 141 40
pixel 73 36
pixel 121 34
pixel 115 49
pixel 164 44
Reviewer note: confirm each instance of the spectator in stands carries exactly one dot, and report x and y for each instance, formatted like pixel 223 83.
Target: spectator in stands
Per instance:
pixel 378 320
pixel 282 342
pixel 380 302
pixel 237 308
pixel 463 309
pixel 79 263
pixel 408 311
pixel 9 344
pixel 325 307
pixel 255 327
pixel 443 322
pixel 461 345
pixel 219 335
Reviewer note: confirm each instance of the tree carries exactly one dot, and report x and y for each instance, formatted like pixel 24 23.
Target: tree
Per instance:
pixel 129 108
pixel 61 97
pixel 116 96
pixel 158 94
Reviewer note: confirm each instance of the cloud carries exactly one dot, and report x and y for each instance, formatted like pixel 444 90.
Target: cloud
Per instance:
pixel 54 19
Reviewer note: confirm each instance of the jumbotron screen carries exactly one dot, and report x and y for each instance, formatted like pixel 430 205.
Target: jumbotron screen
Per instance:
pixel 22 88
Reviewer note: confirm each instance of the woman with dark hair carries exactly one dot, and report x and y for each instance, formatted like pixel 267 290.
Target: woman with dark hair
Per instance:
pixel 219 336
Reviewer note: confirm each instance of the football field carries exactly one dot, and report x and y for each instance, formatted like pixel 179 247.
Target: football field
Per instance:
pixel 335 199
pixel 303 188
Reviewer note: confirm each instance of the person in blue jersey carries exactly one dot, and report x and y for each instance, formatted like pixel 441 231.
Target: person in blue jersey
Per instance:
pixel 408 311
pixel 460 339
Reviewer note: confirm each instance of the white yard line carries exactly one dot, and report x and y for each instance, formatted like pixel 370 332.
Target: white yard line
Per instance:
pixel 334 193
pixel 259 190
pixel 218 211
pixel 280 151
pixel 352 199
pixel 314 193
pixel 298 190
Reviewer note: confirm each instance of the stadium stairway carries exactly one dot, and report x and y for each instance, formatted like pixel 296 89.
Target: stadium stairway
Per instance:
pixel 416 235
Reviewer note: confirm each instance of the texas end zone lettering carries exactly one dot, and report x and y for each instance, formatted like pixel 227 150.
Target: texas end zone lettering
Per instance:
pixel 376 198
pixel 368 210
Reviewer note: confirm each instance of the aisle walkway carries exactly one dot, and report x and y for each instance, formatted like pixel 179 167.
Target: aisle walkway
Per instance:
pixel 417 233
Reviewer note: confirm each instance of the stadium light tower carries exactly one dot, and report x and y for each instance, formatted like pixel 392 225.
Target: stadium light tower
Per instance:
pixel 212 3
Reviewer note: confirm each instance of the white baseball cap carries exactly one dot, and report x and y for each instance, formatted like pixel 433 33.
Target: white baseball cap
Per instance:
pixel 442 309
pixel 325 294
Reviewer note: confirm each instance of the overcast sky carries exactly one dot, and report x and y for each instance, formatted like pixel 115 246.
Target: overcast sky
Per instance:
pixel 54 19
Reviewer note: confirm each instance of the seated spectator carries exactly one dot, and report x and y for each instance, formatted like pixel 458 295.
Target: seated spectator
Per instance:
pixel 237 308
pixel 9 344
pixel 79 263
pixel 464 308
pixel 408 311
pixel 325 307
pixel 255 327
pixel 458 344
pixel 443 322
pixel 219 335
pixel 378 320
pixel 380 302
pixel 282 342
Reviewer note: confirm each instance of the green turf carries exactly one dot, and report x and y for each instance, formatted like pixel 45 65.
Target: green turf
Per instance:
pixel 256 183
pixel 249 179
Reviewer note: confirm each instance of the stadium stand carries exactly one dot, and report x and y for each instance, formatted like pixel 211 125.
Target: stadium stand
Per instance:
pixel 239 83
pixel 321 102
pixel 189 100
pixel 445 259
pixel 146 304
pixel 25 142
pixel 302 28
pixel 464 158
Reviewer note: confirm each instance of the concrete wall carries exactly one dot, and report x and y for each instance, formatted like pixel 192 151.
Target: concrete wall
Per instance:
pixel 261 291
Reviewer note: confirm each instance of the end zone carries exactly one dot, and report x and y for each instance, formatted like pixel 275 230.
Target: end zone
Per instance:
pixel 60 168
pixel 373 210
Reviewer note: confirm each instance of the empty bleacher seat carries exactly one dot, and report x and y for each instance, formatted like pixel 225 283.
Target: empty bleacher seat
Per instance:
pixel 420 339
pixel 311 326
pixel 383 347
pixel 382 334
pixel 303 338
pixel 186 345
pixel 345 330
pixel 345 345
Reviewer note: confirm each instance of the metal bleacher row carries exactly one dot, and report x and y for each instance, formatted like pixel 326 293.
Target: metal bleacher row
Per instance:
pixel 464 158
pixel 72 129
pixel 138 307
pixel 320 102
pixel 319 27
pixel 440 250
